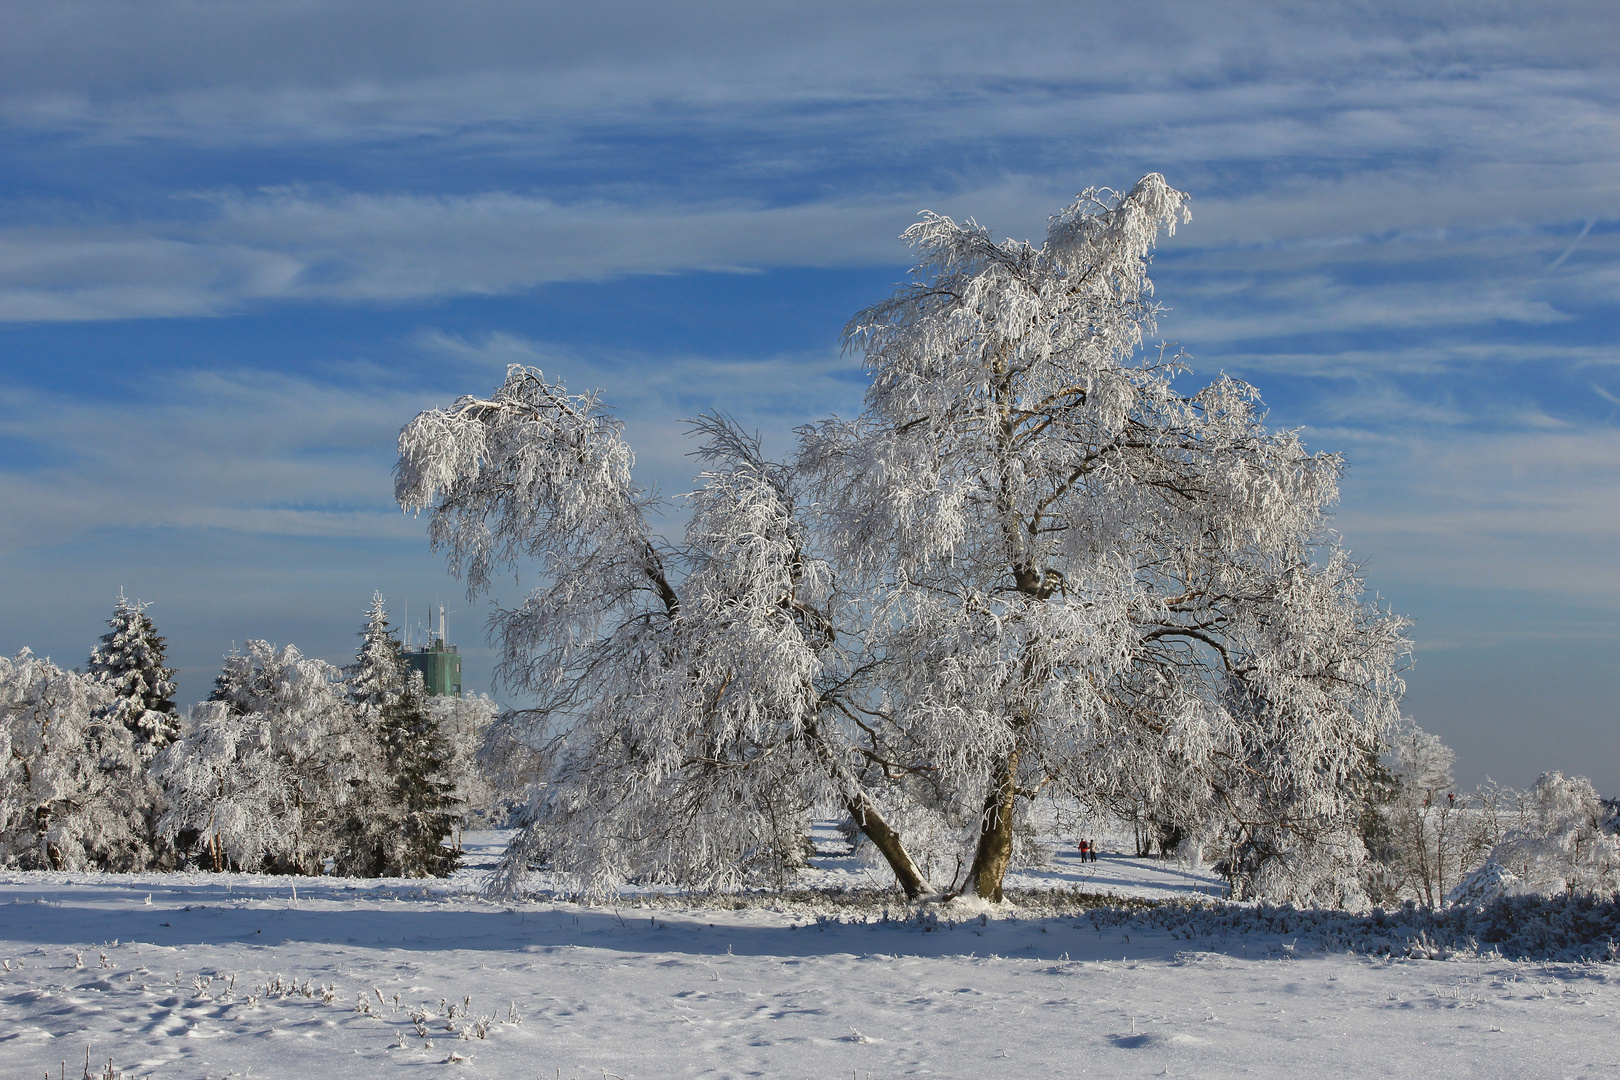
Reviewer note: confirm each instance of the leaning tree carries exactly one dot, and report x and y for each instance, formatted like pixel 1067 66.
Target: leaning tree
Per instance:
pixel 677 728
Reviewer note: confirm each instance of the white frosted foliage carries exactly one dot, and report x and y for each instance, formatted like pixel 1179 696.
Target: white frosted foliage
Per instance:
pixel 1034 563
pixel 129 660
pixel 262 772
pixel 73 794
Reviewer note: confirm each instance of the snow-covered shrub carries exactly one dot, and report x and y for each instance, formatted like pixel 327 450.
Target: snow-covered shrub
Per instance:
pixel 73 793
pixel 262 774
pixel 1484 884
pixel 1567 844
pixel 1559 928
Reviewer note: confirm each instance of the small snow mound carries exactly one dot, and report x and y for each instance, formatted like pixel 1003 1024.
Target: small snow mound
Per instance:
pixel 966 906
pixel 1490 882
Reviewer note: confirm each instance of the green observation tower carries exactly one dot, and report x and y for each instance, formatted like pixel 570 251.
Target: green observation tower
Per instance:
pixel 439 663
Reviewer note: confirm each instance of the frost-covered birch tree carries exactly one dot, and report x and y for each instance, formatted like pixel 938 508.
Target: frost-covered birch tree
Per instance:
pixel 263 772
pixel 1071 562
pixel 678 732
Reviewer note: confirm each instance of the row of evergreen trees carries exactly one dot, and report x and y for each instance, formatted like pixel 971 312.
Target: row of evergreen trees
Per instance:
pixel 291 766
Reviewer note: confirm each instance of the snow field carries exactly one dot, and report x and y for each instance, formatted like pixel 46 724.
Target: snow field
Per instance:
pixel 223 974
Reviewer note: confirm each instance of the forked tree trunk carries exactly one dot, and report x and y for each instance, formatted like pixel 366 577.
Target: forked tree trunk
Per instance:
pixel 994 852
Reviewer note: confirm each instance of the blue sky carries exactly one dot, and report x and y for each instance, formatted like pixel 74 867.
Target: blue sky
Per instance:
pixel 242 243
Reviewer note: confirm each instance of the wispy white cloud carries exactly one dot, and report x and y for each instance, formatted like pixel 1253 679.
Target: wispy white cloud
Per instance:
pixel 251 452
pixel 1529 510
pixel 241 452
pixel 412 67
pixel 356 247
pixel 299 245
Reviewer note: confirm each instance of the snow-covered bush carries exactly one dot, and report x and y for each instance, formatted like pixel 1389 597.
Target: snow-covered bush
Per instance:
pixel 73 793
pixel 1483 884
pixel 263 773
pixel 1567 845
pixel 1559 928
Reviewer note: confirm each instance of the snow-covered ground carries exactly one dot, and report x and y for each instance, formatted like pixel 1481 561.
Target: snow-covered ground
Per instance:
pixel 209 975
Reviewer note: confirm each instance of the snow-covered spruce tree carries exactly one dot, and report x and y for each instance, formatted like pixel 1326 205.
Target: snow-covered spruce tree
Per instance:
pixel 678 715
pixel 370 829
pixel 129 660
pixel 1074 568
pixel 263 771
pixel 421 791
pixel 73 790
pixel 402 799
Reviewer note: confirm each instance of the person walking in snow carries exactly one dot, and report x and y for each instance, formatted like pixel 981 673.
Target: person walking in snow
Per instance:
pixel 1084 848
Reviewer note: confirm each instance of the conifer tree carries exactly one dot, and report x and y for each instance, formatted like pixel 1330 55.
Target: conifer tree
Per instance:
pixel 129 661
pixel 403 806
pixel 417 756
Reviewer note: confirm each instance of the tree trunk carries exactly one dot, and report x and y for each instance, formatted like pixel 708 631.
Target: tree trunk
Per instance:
pixel 995 835
pixel 887 840
pixel 870 820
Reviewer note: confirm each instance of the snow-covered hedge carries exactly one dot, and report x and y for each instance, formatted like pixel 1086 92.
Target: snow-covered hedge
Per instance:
pixel 1561 928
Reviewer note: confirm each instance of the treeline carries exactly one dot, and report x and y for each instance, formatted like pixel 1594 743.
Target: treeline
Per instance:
pixel 291 766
